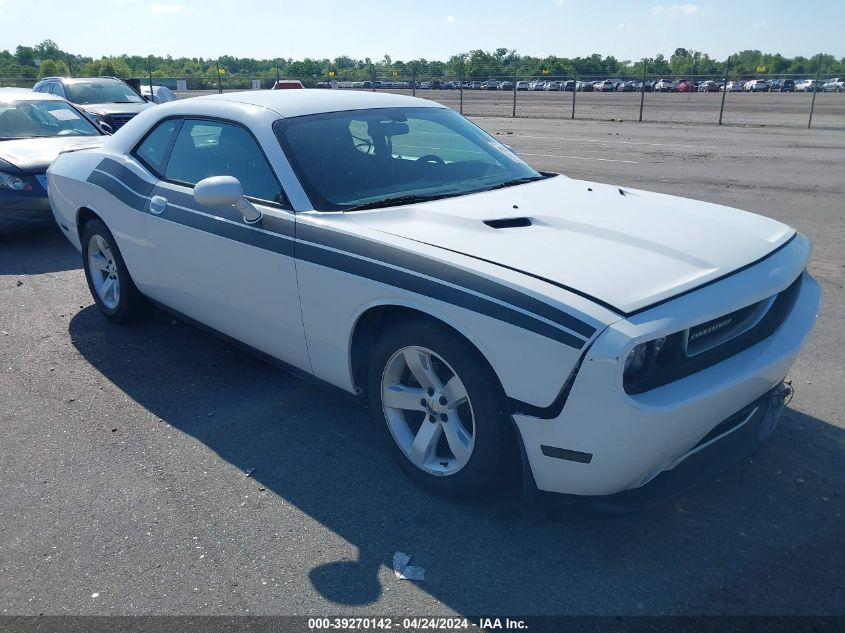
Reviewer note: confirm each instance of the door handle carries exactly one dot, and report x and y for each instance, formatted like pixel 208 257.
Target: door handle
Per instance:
pixel 158 204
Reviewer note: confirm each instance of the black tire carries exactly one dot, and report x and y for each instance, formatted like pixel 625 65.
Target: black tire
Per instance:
pixel 131 304
pixel 494 439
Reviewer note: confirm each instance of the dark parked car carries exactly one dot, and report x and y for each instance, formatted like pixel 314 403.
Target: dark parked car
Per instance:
pixel 106 99
pixel 34 128
pixel 784 85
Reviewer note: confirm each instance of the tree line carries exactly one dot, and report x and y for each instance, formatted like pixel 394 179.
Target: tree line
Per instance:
pixel 47 59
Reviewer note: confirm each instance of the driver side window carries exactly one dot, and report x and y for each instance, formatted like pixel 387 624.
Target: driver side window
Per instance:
pixel 206 148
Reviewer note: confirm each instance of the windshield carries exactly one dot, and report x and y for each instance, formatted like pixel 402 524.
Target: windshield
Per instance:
pixel 348 160
pixel 102 92
pixel 30 119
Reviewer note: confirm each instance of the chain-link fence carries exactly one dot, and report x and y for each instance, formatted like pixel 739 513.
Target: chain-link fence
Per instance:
pixel 778 101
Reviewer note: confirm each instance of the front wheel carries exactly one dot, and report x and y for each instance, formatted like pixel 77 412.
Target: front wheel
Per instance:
pixel 441 407
pixel 108 279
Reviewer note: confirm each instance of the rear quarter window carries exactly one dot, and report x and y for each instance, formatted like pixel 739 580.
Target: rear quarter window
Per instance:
pixel 153 149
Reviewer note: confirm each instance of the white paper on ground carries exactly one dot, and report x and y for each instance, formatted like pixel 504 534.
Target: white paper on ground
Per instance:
pixel 404 571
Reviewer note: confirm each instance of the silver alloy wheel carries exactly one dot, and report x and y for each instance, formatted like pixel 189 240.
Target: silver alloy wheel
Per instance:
pixel 428 411
pixel 103 270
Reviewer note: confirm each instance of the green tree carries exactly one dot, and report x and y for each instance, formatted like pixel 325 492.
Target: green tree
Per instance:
pixel 48 69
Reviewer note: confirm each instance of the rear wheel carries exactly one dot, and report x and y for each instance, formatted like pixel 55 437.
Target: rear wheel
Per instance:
pixel 108 279
pixel 441 407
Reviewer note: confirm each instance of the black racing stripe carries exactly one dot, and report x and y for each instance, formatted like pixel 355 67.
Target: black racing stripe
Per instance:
pixel 119 191
pixel 439 270
pixel 126 176
pixel 237 232
pixel 413 283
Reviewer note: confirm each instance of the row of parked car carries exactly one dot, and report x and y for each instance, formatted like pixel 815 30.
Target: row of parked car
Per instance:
pixel 607 85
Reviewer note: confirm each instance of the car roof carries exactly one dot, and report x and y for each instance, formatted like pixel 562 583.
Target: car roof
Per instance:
pixel 291 103
pixel 25 94
pixel 82 80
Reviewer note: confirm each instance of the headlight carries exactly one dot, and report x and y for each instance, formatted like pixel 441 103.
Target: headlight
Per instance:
pixel 641 359
pixel 636 360
pixel 13 182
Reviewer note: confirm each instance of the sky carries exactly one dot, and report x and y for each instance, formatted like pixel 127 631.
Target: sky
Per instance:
pixel 432 29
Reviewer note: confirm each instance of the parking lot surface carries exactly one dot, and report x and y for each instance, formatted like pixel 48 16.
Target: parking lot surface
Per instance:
pixel 154 469
pixel 789 109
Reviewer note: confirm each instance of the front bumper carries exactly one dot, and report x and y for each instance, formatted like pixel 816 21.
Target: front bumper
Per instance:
pixel 730 444
pixel 605 441
pixel 22 210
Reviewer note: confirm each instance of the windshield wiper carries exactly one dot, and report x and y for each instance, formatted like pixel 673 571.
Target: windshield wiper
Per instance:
pixel 514 182
pixel 398 201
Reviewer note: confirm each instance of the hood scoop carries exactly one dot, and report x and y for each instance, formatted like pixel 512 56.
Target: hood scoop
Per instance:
pixel 508 223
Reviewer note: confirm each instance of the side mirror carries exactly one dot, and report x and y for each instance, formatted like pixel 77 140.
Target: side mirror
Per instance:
pixel 105 127
pixel 225 191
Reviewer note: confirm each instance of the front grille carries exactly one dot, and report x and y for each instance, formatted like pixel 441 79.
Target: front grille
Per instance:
pixel 120 120
pixel 708 335
pixel 717 340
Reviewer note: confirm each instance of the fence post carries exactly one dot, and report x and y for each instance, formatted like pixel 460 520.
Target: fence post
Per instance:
pixel 691 73
pixel 219 85
pixel 461 85
pixel 574 90
pixel 815 90
pixel 150 71
pixel 642 90
pixel 373 77
pixel 414 81
pixel 513 113
pixel 724 94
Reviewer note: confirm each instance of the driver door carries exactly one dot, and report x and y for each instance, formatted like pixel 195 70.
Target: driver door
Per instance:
pixel 237 278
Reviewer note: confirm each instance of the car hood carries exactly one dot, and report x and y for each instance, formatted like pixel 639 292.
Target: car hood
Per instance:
pixel 116 108
pixel 36 154
pixel 625 248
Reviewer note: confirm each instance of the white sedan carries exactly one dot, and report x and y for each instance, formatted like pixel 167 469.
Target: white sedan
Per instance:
pixel 603 337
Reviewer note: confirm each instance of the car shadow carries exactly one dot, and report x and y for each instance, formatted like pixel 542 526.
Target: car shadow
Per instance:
pixel 764 538
pixel 37 252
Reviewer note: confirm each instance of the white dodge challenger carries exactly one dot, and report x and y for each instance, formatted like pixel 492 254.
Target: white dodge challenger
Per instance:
pixel 612 341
